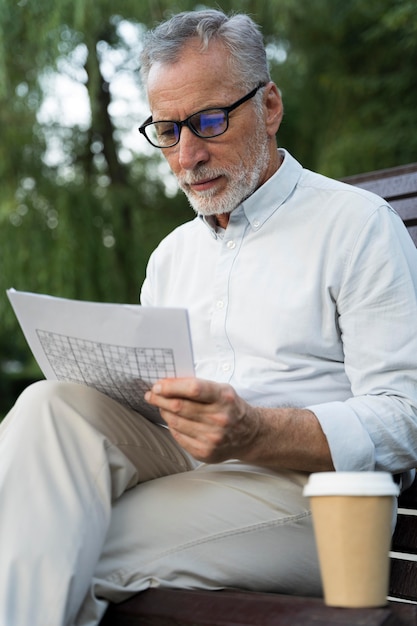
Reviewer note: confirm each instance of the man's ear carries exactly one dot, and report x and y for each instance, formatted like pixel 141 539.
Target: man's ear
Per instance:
pixel 273 107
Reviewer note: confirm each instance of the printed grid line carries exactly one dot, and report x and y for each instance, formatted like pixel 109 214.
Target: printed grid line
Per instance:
pixel 121 372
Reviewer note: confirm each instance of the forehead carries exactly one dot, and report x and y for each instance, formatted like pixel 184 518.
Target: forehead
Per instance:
pixel 198 79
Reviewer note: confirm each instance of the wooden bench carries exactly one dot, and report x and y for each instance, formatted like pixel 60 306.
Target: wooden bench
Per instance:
pixel 168 607
pixel 398 185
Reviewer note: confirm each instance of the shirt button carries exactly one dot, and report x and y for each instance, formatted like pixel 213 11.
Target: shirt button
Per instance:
pixel 256 224
pixel 225 367
pixel 231 244
pixel 220 304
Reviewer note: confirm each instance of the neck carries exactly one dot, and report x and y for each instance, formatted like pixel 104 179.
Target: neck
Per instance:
pixel 222 219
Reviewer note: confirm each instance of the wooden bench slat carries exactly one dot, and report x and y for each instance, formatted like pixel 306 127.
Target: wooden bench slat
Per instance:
pixel 388 183
pixel 405 535
pixel 393 189
pixel 403 579
pixel 170 607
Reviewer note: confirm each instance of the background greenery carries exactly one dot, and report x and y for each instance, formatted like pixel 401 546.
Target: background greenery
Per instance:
pixel 83 201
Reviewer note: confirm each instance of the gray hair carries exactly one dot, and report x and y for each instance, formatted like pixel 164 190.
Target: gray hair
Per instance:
pixel 238 33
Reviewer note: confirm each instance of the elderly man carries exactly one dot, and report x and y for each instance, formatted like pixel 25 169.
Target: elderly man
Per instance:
pixel 302 293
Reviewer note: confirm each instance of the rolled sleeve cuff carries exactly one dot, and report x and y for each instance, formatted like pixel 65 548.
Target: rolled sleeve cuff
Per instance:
pixel 350 445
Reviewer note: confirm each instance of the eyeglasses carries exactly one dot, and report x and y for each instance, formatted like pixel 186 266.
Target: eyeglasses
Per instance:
pixel 205 124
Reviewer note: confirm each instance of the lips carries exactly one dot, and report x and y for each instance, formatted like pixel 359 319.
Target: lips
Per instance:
pixel 204 184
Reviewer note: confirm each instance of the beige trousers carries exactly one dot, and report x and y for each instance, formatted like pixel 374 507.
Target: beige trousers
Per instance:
pixel 97 504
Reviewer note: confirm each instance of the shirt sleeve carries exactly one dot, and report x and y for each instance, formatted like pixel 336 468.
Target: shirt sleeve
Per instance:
pixel 146 292
pixel 376 429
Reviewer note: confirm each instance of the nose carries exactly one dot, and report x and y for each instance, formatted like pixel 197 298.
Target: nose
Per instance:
pixel 192 150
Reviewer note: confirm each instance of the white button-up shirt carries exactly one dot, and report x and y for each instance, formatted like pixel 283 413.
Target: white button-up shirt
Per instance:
pixel 307 299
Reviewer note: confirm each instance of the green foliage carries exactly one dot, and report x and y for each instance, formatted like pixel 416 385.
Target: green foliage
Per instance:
pixel 349 83
pixel 81 208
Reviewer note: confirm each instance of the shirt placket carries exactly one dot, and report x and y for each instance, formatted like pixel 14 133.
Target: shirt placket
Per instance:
pixel 230 247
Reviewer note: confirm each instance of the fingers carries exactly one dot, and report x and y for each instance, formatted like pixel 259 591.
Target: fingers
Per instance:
pixel 193 389
pixel 190 397
pixel 201 415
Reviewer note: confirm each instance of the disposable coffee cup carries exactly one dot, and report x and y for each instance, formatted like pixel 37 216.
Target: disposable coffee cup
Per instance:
pixel 352 518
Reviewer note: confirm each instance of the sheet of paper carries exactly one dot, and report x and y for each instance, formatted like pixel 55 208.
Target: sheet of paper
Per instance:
pixel 119 349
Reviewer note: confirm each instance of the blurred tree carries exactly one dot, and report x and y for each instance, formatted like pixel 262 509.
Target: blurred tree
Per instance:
pixel 349 82
pixel 84 205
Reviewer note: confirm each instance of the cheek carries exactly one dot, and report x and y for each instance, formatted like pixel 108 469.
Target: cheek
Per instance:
pixel 226 152
pixel 171 158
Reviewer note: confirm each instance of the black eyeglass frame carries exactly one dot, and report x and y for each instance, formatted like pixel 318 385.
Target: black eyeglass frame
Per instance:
pixel 187 122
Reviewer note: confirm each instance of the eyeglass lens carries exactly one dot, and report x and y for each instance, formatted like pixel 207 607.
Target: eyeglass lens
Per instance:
pixel 205 124
pixel 209 123
pixel 163 133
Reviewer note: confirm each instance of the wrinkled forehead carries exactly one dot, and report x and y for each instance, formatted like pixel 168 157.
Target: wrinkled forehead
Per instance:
pixel 196 80
pixel 192 61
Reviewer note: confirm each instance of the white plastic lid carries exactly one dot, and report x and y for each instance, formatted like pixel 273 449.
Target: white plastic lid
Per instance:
pixel 351 484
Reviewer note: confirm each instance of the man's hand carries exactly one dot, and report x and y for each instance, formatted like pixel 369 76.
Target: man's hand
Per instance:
pixel 213 423
pixel 207 419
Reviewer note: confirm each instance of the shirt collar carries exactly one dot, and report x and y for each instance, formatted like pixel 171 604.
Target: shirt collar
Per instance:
pixel 271 195
pixel 259 207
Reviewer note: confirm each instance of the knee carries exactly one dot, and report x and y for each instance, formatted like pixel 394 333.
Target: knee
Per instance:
pixel 45 398
pixel 68 406
pixel 43 408
pixel 45 391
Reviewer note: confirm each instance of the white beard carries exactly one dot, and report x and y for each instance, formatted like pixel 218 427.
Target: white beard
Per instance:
pixel 242 180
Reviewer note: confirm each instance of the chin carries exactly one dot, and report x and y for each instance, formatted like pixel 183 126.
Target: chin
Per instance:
pixel 218 207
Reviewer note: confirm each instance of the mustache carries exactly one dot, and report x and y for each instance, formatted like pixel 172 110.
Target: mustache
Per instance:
pixel 201 173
